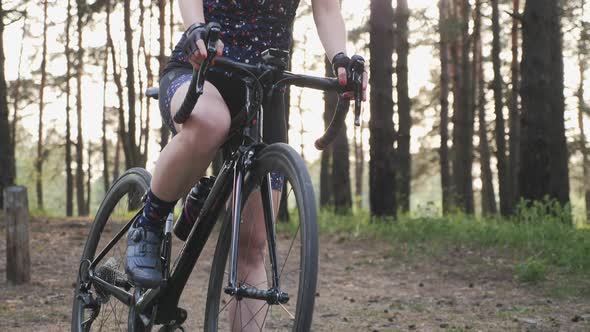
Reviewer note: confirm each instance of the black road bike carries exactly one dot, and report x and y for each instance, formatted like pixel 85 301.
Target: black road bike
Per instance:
pixel 283 300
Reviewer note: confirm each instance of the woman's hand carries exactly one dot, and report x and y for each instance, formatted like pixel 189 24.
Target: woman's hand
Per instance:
pixel 195 47
pixel 341 68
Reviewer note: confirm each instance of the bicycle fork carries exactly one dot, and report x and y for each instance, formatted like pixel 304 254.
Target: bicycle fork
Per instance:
pixel 272 295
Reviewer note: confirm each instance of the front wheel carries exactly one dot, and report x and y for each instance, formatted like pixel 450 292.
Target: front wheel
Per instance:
pixel 296 251
pixel 94 309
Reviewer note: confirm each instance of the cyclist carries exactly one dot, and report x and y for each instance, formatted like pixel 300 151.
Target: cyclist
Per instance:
pixel 248 28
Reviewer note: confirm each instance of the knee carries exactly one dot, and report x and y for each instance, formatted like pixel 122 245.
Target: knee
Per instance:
pixel 207 128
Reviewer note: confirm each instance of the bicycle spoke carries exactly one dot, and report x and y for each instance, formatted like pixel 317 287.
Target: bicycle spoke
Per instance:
pixel 287 311
pixel 253 317
pixel 290 248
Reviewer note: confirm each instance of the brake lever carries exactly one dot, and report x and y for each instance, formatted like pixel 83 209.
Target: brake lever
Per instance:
pixel 213 36
pixel 357 69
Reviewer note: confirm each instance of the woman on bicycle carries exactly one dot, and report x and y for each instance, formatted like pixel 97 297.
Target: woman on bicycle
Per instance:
pixel 248 28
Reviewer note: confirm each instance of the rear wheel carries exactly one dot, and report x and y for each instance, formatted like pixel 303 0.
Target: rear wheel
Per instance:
pixel 94 309
pixel 296 251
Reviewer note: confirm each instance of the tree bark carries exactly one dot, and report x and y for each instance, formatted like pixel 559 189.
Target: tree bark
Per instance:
pixel 359 165
pixel 69 171
pixel 122 131
pixel 382 179
pixel 81 202
pixel 463 121
pixel 89 178
pixel 326 185
pixel 105 151
pixel 117 162
pixel 40 147
pixel 488 199
pixel 514 112
pixel 582 109
pixel 16 96
pixel 445 176
pixel 544 155
pixel 7 171
pixel 503 184
pixel 404 157
pixel 132 154
pixel 164 131
pixel 341 194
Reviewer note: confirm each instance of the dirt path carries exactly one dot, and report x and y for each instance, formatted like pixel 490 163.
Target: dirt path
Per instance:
pixel 363 287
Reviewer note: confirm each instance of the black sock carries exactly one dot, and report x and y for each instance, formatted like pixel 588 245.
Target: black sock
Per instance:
pixel 155 211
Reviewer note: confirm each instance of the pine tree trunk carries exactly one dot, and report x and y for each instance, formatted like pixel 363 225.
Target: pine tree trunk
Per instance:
pixel 514 112
pixel 105 151
pixel 88 178
pixel 544 155
pixel 122 131
pixel 463 121
pixel 403 107
pixel 69 171
pixel 445 175
pixel 7 170
pixel 117 162
pixel 504 186
pixel 132 155
pixel 488 199
pixel 359 163
pixel 326 185
pixel 583 108
pixel 341 194
pixel 40 147
pixel 382 179
pixel 150 82
pixel 164 131
pixel 81 202
pixel 16 95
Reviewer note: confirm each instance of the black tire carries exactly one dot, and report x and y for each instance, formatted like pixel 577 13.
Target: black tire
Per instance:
pixel 120 203
pixel 281 158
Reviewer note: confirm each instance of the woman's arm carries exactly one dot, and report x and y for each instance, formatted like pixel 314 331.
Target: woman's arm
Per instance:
pixel 331 29
pixel 192 12
pixel 330 26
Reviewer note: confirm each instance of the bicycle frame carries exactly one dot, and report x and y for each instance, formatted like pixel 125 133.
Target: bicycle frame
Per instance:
pixel 229 183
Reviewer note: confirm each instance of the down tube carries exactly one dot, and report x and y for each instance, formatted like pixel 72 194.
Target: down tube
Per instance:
pixel 197 238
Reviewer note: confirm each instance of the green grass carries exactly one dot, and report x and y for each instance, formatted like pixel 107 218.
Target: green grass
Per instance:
pixel 538 238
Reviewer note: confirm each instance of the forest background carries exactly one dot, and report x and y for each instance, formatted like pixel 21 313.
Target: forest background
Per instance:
pixel 446 124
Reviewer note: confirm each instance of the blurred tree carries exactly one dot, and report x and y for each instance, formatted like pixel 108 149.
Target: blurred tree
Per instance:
pixel 488 198
pixel 502 162
pixel 445 176
pixel 40 147
pixel 164 131
pixel 68 145
pixel 582 107
pixel 382 177
pixel 544 155
pixel 7 171
pixel 514 118
pixel 403 155
pixel 81 202
pixel 463 116
pixel 104 143
pixel 133 154
pixel 16 93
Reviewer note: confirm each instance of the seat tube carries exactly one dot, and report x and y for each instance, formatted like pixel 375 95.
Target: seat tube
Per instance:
pixel 236 216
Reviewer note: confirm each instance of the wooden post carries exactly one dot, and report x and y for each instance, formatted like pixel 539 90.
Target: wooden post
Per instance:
pixel 16 213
